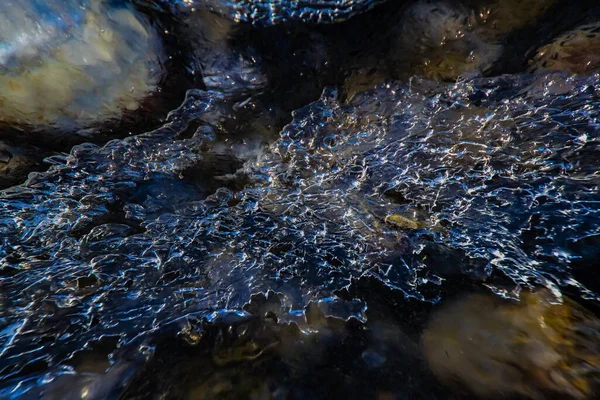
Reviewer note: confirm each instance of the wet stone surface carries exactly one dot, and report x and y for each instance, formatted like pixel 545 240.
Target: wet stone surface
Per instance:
pixel 289 228
pixel 267 13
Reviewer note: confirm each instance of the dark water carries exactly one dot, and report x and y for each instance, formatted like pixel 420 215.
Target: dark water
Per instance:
pixel 246 247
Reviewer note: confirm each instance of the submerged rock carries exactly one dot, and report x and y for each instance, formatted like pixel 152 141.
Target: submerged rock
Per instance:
pixel 538 347
pixel 574 52
pixel 499 18
pixel 437 40
pixel 16 162
pixel 71 65
pixel 444 40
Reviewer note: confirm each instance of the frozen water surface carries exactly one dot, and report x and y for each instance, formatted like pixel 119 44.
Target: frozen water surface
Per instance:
pixel 501 171
pixel 273 12
pixel 207 259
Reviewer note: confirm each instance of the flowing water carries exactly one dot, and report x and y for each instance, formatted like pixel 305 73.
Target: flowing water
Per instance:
pixel 286 231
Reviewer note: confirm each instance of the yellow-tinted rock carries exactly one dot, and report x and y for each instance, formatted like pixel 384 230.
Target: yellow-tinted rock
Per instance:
pixel 80 75
pixel 497 18
pixel 402 222
pixel 443 40
pixel 575 52
pixel 535 348
pixel 436 40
